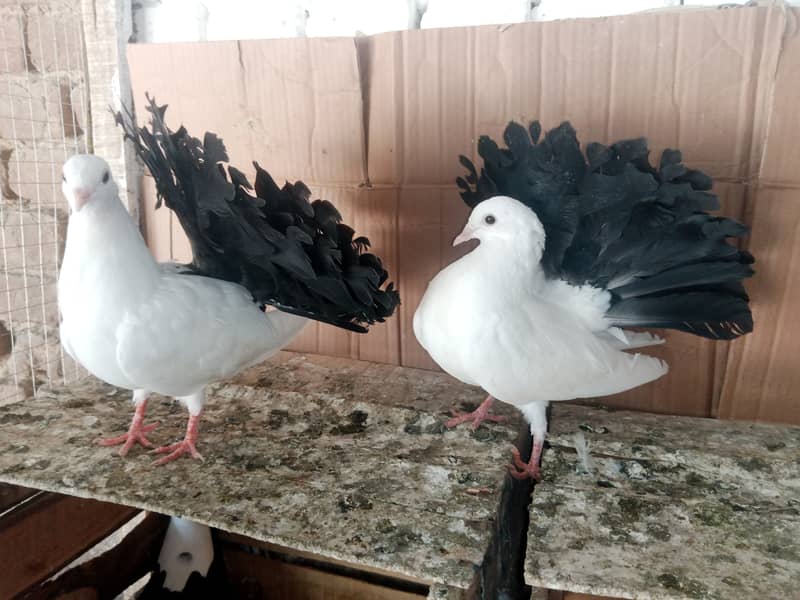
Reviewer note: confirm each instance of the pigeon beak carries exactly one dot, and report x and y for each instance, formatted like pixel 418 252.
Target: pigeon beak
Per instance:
pixel 467 234
pixel 82 196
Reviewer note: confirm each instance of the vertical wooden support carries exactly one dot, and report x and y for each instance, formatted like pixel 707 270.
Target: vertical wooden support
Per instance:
pixel 107 26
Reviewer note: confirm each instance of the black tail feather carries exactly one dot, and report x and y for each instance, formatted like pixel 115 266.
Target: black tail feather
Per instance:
pixel 613 220
pixel 287 251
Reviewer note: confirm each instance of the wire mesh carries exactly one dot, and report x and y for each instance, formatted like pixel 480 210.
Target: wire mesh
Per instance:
pixel 43 112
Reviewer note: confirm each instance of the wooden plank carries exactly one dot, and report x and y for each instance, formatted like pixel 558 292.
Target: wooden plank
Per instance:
pixel 235 540
pixel 259 577
pixel 112 572
pixel 11 495
pixel 43 535
pixel 106 29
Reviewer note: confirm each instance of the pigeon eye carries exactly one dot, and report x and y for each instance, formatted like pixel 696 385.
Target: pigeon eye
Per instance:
pixel 105 177
pixel 489 219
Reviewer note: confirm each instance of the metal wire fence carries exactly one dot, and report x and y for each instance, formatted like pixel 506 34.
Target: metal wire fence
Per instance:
pixel 43 114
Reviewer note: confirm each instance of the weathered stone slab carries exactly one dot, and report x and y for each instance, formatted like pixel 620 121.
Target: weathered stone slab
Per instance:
pixel 344 459
pixel 671 507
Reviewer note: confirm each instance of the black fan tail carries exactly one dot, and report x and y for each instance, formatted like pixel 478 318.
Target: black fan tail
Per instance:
pixel 287 251
pixel 614 221
pixel 709 314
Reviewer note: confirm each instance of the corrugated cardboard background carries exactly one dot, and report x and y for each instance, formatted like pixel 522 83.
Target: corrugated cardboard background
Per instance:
pixel 376 125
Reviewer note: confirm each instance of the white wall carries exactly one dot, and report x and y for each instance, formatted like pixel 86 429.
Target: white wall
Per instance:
pixel 193 20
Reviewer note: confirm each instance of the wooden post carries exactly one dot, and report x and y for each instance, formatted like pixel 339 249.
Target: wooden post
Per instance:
pixel 107 26
pixel 44 534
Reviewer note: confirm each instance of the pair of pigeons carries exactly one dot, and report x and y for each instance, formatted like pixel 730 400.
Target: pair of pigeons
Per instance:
pixel 574 249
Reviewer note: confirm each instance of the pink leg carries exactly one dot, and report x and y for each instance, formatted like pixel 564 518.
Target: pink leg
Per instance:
pixel 185 446
pixel 520 469
pixel 136 432
pixel 477 416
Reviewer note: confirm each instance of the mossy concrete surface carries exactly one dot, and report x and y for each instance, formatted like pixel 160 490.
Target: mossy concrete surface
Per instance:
pixel 667 507
pixel 343 459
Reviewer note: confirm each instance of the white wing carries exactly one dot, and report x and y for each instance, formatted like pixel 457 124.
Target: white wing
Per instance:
pixel 588 304
pixel 537 351
pixel 195 330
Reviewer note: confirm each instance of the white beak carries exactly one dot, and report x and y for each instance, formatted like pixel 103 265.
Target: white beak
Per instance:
pixel 82 196
pixel 468 233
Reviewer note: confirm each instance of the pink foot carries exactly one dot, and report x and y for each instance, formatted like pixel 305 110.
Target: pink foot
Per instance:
pixel 185 446
pixel 477 416
pixel 136 432
pixel 519 469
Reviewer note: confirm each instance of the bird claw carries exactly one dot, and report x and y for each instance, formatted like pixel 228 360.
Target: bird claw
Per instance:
pixel 135 435
pixel 519 469
pixel 176 450
pixel 477 417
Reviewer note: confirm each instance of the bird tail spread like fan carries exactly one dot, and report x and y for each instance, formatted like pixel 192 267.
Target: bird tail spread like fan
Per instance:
pixel 288 252
pixel 614 221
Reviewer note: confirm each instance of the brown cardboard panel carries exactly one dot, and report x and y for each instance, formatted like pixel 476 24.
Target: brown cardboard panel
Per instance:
pixel 454 216
pixel 157 222
pixel 419 255
pixel 695 80
pixel 733 201
pixel 429 218
pixel 376 216
pixel 782 153
pixel 292 105
pixel 718 84
pixel 762 375
pixel 688 386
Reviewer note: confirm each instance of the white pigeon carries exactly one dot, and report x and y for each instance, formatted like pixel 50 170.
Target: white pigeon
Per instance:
pixel 143 326
pixel 493 320
pixel 572 250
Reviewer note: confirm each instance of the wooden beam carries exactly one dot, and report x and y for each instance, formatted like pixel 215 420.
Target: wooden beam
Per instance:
pixel 41 536
pixel 107 26
pixel 11 495
pixel 109 574
pixel 257 576
pixel 322 562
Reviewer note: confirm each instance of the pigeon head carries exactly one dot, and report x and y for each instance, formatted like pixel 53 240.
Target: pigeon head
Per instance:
pixel 503 221
pixel 86 179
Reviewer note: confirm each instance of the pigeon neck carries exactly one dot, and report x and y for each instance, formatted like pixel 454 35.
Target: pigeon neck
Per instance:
pixel 104 243
pixel 515 265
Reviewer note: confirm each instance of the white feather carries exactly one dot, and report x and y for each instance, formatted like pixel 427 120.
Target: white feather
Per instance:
pixel 584 456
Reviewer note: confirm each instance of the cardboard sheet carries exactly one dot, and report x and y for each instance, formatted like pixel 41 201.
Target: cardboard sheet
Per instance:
pixel 376 125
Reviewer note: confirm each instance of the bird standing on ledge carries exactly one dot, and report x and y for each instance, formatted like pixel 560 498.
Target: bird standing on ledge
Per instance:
pixel 572 250
pixel 173 329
